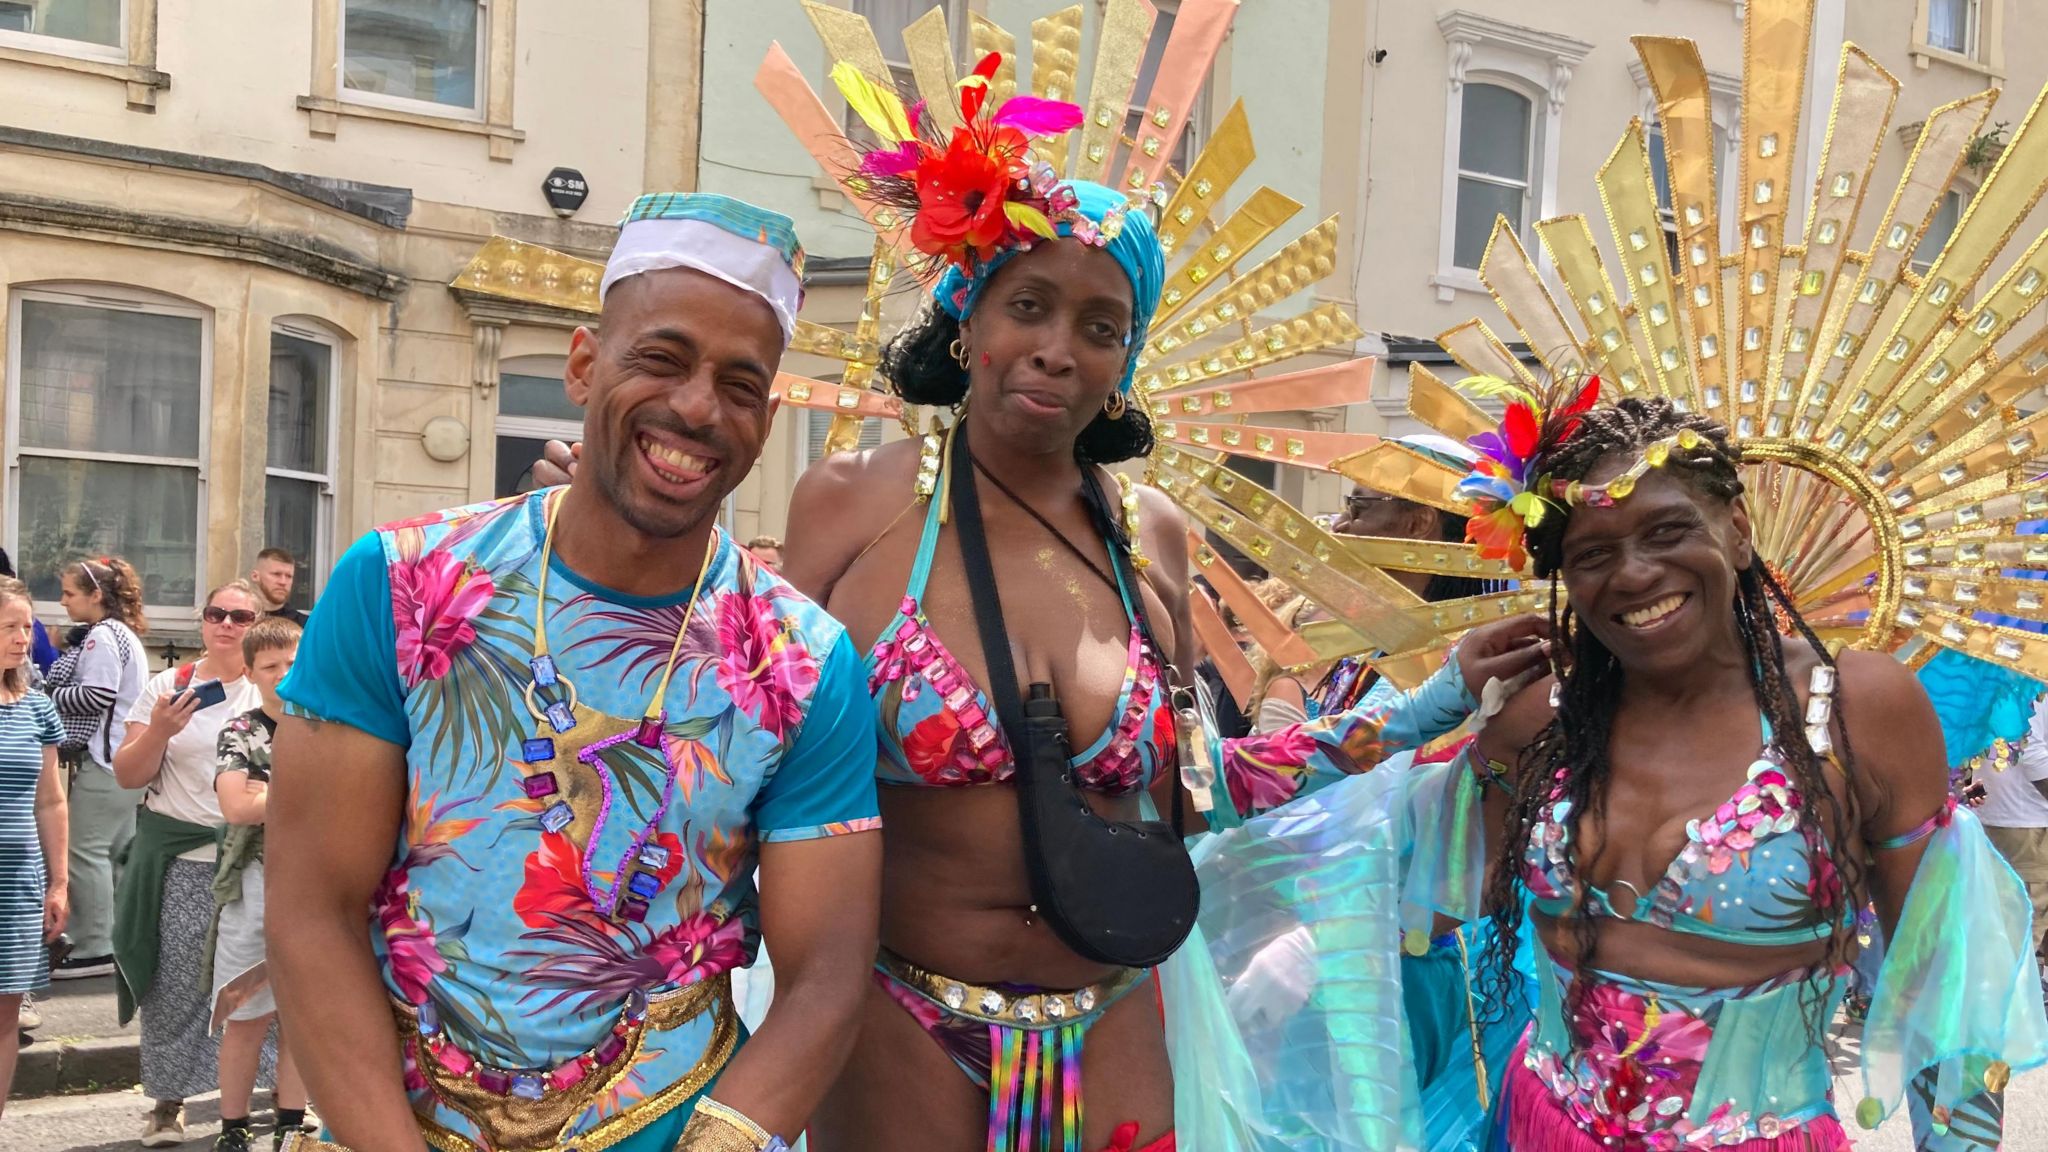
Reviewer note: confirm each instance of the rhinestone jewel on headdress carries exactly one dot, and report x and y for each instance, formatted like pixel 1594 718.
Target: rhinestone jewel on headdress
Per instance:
pixel 991 1003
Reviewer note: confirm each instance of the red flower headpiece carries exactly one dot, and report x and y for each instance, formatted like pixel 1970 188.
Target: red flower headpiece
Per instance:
pixel 977 193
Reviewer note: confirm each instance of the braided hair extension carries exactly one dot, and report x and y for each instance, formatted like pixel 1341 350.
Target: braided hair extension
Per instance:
pixel 1569 757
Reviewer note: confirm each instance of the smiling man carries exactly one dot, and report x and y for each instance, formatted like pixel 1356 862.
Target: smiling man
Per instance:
pixel 546 741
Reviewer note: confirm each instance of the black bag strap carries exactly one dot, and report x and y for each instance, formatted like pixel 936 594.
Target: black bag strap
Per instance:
pixel 987 597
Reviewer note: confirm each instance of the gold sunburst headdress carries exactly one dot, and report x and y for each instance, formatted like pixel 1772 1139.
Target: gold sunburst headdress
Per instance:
pixel 1872 404
pixel 1214 361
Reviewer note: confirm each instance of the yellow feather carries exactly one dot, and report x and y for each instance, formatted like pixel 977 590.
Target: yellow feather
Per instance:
pixel 1027 217
pixel 880 109
pixel 1488 387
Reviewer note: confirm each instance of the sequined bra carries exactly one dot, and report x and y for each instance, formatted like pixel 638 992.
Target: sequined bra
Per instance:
pixel 939 729
pixel 1746 874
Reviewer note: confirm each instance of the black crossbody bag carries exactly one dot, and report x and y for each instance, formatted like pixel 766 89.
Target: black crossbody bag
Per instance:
pixel 1116 892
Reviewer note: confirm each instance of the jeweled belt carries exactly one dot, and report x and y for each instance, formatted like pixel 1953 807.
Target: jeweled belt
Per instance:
pixel 530 1110
pixel 1034 1011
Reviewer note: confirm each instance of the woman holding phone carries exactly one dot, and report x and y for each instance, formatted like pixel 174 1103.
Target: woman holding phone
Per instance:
pixel 165 899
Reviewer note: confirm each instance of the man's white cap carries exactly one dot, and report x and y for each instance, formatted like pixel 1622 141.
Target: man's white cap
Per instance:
pixel 749 248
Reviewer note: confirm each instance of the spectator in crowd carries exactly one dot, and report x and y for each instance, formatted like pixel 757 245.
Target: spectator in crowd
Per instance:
pixel 164 905
pixel 43 653
pixel 2015 813
pixel 767 549
pixel 32 824
pixel 94 684
pixel 272 578
pixel 241 986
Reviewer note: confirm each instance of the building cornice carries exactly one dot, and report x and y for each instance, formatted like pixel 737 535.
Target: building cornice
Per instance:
pixel 1462 27
pixel 292 252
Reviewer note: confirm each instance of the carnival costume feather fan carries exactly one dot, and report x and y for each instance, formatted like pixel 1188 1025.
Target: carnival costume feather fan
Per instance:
pixel 1872 405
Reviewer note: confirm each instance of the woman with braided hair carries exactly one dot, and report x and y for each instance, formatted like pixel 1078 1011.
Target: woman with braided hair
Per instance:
pixel 1695 803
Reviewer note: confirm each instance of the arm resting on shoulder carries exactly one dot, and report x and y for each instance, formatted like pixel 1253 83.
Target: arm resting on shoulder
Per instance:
pixel 340 802
pixel 820 911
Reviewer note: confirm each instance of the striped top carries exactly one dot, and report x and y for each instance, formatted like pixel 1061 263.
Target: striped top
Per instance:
pixel 27 726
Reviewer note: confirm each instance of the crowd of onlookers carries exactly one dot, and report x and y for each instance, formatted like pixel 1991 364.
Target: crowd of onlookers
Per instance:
pixel 131 831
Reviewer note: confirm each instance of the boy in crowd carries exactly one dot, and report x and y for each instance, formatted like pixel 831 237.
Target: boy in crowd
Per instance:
pixel 241 986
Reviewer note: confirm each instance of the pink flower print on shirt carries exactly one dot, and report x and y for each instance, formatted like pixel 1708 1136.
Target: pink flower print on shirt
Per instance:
pixel 433 600
pixel 767 672
pixel 699 947
pixel 411 951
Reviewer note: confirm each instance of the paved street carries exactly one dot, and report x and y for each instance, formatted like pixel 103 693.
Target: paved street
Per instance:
pixel 109 1122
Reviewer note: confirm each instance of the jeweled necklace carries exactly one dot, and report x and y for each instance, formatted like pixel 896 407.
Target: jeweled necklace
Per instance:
pixel 551 698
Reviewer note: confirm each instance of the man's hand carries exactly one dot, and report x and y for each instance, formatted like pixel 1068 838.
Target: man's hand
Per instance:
pixel 557 463
pixel 820 913
pixel 1503 650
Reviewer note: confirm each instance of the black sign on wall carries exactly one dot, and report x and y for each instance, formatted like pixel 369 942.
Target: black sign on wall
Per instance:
pixel 566 190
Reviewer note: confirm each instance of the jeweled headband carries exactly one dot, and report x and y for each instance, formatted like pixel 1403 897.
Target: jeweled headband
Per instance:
pixel 1508 488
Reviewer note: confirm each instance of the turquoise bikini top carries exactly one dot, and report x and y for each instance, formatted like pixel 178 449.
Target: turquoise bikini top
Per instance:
pixel 938 728
pixel 1746 874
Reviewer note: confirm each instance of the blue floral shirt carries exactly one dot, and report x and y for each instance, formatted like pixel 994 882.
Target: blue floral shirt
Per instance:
pixel 487 923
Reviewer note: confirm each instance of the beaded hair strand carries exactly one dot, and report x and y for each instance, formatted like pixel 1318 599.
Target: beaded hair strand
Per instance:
pixel 1569 758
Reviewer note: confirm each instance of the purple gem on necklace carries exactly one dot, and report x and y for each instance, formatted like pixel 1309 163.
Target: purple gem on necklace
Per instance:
pixel 429 1018
pixel 543 671
pixel 526 1086
pixel 633 908
pixel 649 734
pixel 540 786
pixel 493 1080
pixel 557 817
pixel 538 750
pixel 560 717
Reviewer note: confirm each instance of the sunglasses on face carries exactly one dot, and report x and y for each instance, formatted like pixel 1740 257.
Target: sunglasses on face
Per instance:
pixel 241 617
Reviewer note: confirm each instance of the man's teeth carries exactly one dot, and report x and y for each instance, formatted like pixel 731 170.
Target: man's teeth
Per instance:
pixel 681 462
pixel 1643 617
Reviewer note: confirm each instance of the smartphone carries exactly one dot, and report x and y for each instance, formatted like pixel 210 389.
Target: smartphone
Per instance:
pixel 209 693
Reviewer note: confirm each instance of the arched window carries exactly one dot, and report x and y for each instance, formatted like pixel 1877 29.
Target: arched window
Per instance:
pixel 298 479
pixel 1496 148
pixel 106 435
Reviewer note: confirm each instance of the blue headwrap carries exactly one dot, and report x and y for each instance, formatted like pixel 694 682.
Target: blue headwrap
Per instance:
pixel 1135 249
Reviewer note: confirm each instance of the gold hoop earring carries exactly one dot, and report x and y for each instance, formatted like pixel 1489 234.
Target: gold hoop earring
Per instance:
pixel 959 352
pixel 1115 406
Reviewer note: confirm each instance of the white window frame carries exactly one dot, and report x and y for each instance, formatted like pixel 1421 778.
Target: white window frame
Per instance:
pixel 130 300
pixel 323 527
pixel 1983 38
pixel 475 112
pixel 1526 185
pixel 77 49
pixel 1973 28
pixel 1539 64
pixel 530 427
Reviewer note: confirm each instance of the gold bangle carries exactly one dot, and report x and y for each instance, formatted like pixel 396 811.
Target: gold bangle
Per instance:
pixel 303 1141
pixel 716 1127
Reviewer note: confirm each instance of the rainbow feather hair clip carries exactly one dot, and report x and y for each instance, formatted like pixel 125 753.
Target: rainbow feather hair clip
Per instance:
pixel 975 193
pixel 1506 487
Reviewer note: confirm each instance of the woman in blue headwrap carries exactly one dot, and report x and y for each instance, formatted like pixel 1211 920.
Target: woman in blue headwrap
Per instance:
pixel 982 1004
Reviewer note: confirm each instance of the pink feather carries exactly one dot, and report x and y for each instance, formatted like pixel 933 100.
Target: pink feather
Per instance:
pixel 1034 116
pixel 900 161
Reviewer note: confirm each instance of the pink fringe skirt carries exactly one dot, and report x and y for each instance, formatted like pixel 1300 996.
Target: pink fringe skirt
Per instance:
pixel 1536 1122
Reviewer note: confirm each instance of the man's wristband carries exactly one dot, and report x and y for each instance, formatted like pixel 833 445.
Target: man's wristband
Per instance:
pixel 716 1127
